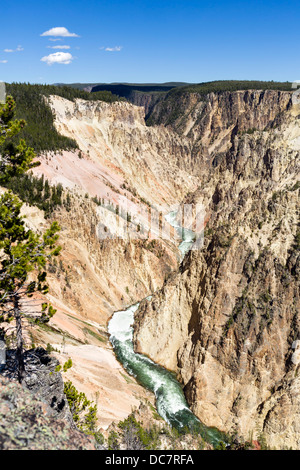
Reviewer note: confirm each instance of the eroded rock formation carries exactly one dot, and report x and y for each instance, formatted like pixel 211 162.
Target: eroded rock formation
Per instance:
pixel 228 322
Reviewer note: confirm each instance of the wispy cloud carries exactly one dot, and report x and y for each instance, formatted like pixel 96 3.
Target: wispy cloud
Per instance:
pixel 18 49
pixel 59 47
pixel 55 39
pixel 60 31
pixel 64 58
pixel 113 49
pixel 3 61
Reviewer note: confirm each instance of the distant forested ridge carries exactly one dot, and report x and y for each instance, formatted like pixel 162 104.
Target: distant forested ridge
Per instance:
pixel 40 132
pixel 125 90
pixel 68 92
pixel 230 85
pixel 176 88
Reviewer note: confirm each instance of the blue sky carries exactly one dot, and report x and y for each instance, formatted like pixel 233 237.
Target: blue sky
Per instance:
pixel 148 41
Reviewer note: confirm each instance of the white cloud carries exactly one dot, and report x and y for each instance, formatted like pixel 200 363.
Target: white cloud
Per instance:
pixel 3 61
pixel 59 47
pixel 18 49
pixel 58 58
pixel 60 31
pixel 55 39
pixel 114 49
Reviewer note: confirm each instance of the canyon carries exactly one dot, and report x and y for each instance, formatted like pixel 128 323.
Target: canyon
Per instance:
pixel 225 318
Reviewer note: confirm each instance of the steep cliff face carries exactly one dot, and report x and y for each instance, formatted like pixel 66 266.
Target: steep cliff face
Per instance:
pixel 209 121
pixel 105 275
pixel 146 100
pixel 118 145
pixel 125 165
pixel 228 322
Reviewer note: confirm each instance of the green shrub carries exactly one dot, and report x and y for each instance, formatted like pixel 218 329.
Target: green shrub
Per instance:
pixel 37 191
pixel 83 410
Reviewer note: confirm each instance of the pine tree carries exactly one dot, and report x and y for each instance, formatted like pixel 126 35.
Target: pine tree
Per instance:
pixel 15 159
pixel 22 252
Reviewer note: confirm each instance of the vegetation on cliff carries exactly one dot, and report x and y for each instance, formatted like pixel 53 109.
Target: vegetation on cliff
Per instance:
pixel 24 254
pixel 15 156
pixel 38 192
pixel 83 410
pixel 40 132
pixel 230 85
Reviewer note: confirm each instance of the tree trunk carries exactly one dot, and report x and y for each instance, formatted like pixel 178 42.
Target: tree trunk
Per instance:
pixel 20 345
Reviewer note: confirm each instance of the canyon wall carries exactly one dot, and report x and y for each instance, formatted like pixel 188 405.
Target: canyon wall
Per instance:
pixel 130 166
pixel 154 161
pixel 228 322
pixel 210 121
pixel 121 164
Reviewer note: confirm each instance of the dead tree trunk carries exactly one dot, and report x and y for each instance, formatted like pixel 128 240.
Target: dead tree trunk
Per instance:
pixel 20 343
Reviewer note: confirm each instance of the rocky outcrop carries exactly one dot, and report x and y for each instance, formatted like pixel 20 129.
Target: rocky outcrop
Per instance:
pixel 36 414
pixel 211 121
pixel 146 100
pixel 42 380
pixel 228 323
pixel 28 423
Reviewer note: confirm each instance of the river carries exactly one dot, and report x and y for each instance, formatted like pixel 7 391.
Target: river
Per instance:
pixel 170 400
